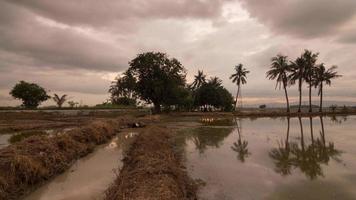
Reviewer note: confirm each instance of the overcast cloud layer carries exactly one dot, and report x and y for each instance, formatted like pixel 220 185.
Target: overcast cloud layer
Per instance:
pixel 78 47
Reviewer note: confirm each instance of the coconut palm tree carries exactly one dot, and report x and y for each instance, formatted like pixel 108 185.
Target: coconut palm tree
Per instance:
pixel 297 73
pixel 59 100
pixel 239 77
pixel 322 76
pixel 279 72
pixel 310 59
pixel 199 80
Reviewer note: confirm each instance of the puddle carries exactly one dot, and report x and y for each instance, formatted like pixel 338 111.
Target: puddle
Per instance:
pixel 4 140
pixel 273 159
pixel 90 176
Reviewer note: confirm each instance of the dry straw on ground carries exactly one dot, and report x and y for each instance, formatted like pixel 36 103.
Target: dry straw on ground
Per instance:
pixel 28 163
pixel 152 170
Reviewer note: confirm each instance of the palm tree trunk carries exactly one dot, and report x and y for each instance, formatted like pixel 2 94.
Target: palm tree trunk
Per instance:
pixel 322 133
pixel 311 130
pixel 300 95
pixel 321 97
pixel 286 93
pixel 237 95
pixel 310 103
pixel 301 134
pixel 287 138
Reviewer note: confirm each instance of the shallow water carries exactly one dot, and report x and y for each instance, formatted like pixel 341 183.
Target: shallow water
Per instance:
pixel 267 159
pixel 4 140
pixel 90 176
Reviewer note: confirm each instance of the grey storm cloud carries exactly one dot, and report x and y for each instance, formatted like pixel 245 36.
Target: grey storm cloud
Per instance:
pixel 303 18
pixel 108 12
pixel 78 46
pixel 22 34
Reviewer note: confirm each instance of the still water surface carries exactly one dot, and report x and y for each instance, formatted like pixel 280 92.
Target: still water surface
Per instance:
pixel 90 176
pixel 308 158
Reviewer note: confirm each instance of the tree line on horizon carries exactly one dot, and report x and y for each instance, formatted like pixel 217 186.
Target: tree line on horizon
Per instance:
pixel 156 79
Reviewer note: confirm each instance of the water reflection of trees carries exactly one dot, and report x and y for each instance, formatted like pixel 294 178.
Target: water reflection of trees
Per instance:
pixel 338 119
pixel 241 146
pixel 307 158
pixel 204 137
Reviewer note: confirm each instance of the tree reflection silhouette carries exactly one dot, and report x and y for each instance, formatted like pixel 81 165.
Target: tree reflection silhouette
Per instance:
pixel 307 158
pixel 204 137
pixel 241 146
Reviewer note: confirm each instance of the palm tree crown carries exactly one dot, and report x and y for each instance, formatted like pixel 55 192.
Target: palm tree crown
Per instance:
pixel 239 77
pixel 59 100
pixel 278 72
pixel 199 80
pixel 323 75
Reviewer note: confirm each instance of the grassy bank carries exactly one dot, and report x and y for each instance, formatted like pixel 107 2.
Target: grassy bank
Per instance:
pixel 152 170
pixel 29 163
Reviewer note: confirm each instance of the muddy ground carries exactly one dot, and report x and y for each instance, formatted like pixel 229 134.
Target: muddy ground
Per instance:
pixel 152 170
pixel 12 121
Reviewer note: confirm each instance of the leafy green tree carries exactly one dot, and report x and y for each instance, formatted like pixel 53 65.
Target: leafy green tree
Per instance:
pixel 214 94
pixel 239 77
pixel 322 76
pixel 59 100
pixel 158 77
pixel 279 72
pixel 31 94
pixel 122 90
pixel 199 80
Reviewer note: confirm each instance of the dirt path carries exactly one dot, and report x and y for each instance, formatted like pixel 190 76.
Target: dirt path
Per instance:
pixel 152 170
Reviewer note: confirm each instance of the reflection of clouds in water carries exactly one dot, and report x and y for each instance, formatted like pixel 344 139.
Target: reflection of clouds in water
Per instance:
pixel 120 140
pixel 112 144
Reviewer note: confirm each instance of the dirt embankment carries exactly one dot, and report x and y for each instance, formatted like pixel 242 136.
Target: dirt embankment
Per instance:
pixel 152 170
pixel 28 163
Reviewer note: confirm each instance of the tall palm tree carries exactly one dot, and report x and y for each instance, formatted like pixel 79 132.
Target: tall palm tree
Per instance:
pixel 279 72
pixel 322 76
pixel 59 100
pixel 199 80
pixel 310 59
pixel 239 77
pixel 297 73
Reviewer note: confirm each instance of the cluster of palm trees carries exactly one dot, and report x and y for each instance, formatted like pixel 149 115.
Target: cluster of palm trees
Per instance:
pixel 303 69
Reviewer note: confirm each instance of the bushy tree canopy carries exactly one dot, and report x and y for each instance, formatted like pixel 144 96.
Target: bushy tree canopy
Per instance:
pixel 158 78
pixel 31 94
pixel 214 94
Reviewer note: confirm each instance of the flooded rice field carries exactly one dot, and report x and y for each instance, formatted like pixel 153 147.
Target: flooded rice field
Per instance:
pixel 264 158
pixel 90 176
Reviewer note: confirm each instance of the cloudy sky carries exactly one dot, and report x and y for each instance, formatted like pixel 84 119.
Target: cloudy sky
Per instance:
pixel 77 47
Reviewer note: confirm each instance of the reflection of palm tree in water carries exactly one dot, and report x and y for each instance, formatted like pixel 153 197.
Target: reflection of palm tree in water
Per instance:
pixel 326 151
pixel 282 155
pixel 307 158
pixel 241 146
